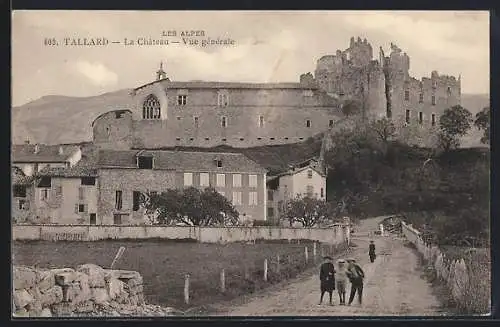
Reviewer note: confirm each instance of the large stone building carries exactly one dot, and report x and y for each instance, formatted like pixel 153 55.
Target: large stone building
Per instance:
pixel 206 114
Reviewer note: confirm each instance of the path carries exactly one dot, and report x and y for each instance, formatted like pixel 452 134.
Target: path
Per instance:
pixel 393 286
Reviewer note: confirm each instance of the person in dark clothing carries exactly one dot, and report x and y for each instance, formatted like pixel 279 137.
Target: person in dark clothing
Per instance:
pixel 371 251
pixel 327 278
pixel 356 276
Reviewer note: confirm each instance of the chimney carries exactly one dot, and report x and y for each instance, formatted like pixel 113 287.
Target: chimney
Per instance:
pixel 37 148
pixel 61 150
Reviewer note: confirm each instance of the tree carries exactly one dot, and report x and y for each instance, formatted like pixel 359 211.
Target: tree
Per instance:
pixel 454 123
pixel 307 210
pixel 191 206
pixel 482 122
pixel 351 107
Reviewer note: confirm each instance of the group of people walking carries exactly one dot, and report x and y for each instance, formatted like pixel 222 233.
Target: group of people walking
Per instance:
pixel 347 270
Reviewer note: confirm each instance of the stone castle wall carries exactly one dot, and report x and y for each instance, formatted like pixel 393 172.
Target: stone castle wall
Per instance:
pixel 72 292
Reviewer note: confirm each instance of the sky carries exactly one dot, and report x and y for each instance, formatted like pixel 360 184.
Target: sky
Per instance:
pixel 269 47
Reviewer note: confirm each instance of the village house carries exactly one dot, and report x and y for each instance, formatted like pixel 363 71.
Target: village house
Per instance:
pixel 124 175
pixel 32 158
pixel 304 179
pixel 22 195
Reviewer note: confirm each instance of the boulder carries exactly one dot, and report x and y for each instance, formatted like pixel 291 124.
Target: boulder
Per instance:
pixel 34 309
pixel 22 298
pixel 122 274
pixel 52 295
pixel 46 313
pixel 114 287
pixel 63 309
pixel 35 293
pixel 96 274
pixel 23 277
pixel 84 293
pixel 84 307
pixel 21 313
pixel 65 278
pixel 99 295
pixel 70 292
pixel 47 280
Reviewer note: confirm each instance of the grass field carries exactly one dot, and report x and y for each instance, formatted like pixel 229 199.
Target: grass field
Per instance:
pixel 163 265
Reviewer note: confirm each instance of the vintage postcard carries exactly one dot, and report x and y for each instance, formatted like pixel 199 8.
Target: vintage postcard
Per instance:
pixel 250 163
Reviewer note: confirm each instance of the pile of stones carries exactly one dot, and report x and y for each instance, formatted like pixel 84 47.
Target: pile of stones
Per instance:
pixel 88 290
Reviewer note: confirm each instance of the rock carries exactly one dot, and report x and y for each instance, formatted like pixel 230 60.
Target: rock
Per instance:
pixel 47 280
pixel 86 306
pixel 96 274
pixel 134 300
pixel 84 293
pixel 23 277
pixel 122 274
pixel 114 287
pixel 65 278
pixel 22 298
pixel 63 309
pixel 46 313
pixel 99 295
pixel 70 292
pixel 34 309
pixel 35 293
pixel 21 313
pixel 52 295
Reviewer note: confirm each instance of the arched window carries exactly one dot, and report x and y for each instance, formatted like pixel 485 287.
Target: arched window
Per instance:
pixel 151 108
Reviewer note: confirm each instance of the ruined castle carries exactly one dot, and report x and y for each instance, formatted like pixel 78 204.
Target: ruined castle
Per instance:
pixel 206 114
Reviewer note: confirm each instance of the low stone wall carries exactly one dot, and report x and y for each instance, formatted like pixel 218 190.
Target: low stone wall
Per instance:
pixel 69 292
pixel 335 235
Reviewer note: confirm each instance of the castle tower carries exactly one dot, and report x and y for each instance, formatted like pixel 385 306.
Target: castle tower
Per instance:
pixel 161 74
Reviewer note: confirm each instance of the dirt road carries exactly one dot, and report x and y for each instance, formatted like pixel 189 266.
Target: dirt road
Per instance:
pixel 393 286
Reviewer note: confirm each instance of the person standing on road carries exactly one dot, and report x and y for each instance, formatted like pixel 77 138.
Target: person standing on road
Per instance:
pixel 341 278
pixel 371 251
pixel 356 276
pixel 327 278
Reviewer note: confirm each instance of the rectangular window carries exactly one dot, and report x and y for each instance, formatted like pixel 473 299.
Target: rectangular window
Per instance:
pixel 270 195
pixel 145 162
pixel 407 95
pixel 322 192
pixel 118 200
pixel 44 194
pixel 81 208
pixel 237 198
pixel 433 119
pixel 236 180
pixel 219 163
pixel 310 174
pixel 252 198
pixel 136 199
pixel 93 219
pixel 407 119
pixel 45 182
pixel 270 212
pixel 330 123
pixel 420 117
pixel 88 180
pixel 421 98
pixel 261 121
pixel 196 122
pixel 188 179
pixel 23 204
pixel 310 190
pixel 19 191
pixel 204 179
pixel 252 180
pixel 433 100
pixel 117 219
pixel 81 193
pixel 308 123
pixel 222 100
pixel 181 100
pixel 223 122
pixel 221 180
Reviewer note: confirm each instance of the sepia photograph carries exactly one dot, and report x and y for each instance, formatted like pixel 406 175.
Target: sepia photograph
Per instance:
pixel 250 164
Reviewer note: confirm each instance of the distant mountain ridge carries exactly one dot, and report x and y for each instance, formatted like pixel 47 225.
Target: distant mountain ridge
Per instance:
pixel 56 119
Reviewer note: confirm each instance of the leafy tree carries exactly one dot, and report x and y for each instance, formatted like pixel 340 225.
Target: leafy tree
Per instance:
pixel 307 210
pixel 190 206
pixel 352 107
pixel 454 123
pixel 482 122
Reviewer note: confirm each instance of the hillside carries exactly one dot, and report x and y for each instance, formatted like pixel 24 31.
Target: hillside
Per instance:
pixel 58 119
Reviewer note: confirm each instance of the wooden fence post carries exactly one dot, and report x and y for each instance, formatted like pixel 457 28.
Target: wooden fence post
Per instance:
pixel 265 269
pixel 306 253
pixel 278 263
pixel 223 280
pixel 186 289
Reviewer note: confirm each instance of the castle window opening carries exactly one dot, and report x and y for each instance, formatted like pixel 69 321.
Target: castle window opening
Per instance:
pixel 207 139
pixel 421 98
pixel 433 119
pixel 182 100
pixel 322 193
pixel 270 195
pixel 88 181
pixel 178 117
pixel 261 121
pixel 108 131
pixel 224 122
pixel 151 108
pixel 242 139
pixel 136 197
pixel 310 174
pixel 93 219
pixel 407 95
pixel 433 100
pixel 177 138
pixel 272 138
pixel 81 208
pixel 219 163
pixel 259 138
pixel 224 140
pixel 191 139
pixel 196 122
pixel 308 123
pixel 286 138
pixel 222 100
pixel 330 123
pixel 407 118
pixel 448 91
pixel 118 200
pixel 420 117
pixel 301 138
pixel 145 162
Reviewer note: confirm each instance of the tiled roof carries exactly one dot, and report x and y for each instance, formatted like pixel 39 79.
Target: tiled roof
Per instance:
pixel 46 153
pixel 294 171
pixel 86 167
pixel 181 160
pixel 228 85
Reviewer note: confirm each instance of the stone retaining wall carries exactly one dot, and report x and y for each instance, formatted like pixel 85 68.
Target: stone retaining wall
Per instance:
pixel 68 292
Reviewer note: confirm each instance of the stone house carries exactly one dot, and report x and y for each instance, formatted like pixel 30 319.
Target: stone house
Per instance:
pixel 22 195
pixel 124 175
pixel 304 179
